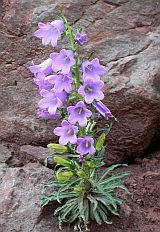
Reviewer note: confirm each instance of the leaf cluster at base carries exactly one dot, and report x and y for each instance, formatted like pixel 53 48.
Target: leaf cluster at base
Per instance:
pixel 84 193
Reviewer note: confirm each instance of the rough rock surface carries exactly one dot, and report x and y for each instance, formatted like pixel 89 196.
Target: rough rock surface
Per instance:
pixel 38 153
pixel 129 48
pixel 5 154
pixel 20 191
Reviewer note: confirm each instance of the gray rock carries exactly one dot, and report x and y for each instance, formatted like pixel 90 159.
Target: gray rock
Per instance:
pixel 5 154
pixel 20 191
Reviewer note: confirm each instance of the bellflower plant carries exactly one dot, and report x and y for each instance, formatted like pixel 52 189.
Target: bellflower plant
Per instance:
pixel 71 91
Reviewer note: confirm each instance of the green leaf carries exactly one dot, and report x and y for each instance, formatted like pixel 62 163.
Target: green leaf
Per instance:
pixel 106 212
pixel 101 152
pixel 111 168
pixel 67 210
pixel 72 155
pixel 46 199
pixel 63 35
pixel 107 195
pixel 69 185
pixel 54 183
pixel 86 211
pixel 118 186
pixel 97 217
pixel 108 128
pixel 62 161
pixel 60 208
pixel 65 188
pixel 91 211
pixel 102 214
pixel 81 207
pixel 107 205
pixel 100 142
pixel 93 201
pixel 66 195
pixel 74 214
pixel 114 177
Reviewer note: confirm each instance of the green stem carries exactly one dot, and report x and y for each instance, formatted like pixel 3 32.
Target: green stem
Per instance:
pixel 71 38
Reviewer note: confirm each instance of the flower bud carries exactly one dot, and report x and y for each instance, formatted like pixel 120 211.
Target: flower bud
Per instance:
pixel 57 148
pixel 82 174
pixel 64 176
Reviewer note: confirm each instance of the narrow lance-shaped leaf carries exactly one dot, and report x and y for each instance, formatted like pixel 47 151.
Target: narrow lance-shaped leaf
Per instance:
pixel 111 168
pixel 62 162
pixel 100 142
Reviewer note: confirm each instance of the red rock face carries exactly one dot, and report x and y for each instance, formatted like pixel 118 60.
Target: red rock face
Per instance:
pixel 123 34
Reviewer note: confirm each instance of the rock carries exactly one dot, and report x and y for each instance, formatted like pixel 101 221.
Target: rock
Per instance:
pixel 20 191
pixel 129 48
pixel 37 153
pixel 5 154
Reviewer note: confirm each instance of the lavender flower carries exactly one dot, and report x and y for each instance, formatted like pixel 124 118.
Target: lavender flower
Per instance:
pixel 67 133
pixel 51 101
pixel 85 145
pixel 61 82
pixel 50 32
pixel 45 67
pixel 79 113
pixel 92 69
pixel 91 90
pixel 62 61
pixel 81 38
pixel 61 95
pixel 102 109
pixel 42 82
pixel 43 113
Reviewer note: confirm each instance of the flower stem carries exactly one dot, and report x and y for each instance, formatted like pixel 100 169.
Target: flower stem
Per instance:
pixel 71 38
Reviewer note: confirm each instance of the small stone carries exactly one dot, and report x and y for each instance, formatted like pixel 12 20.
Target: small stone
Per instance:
pixel 126 209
